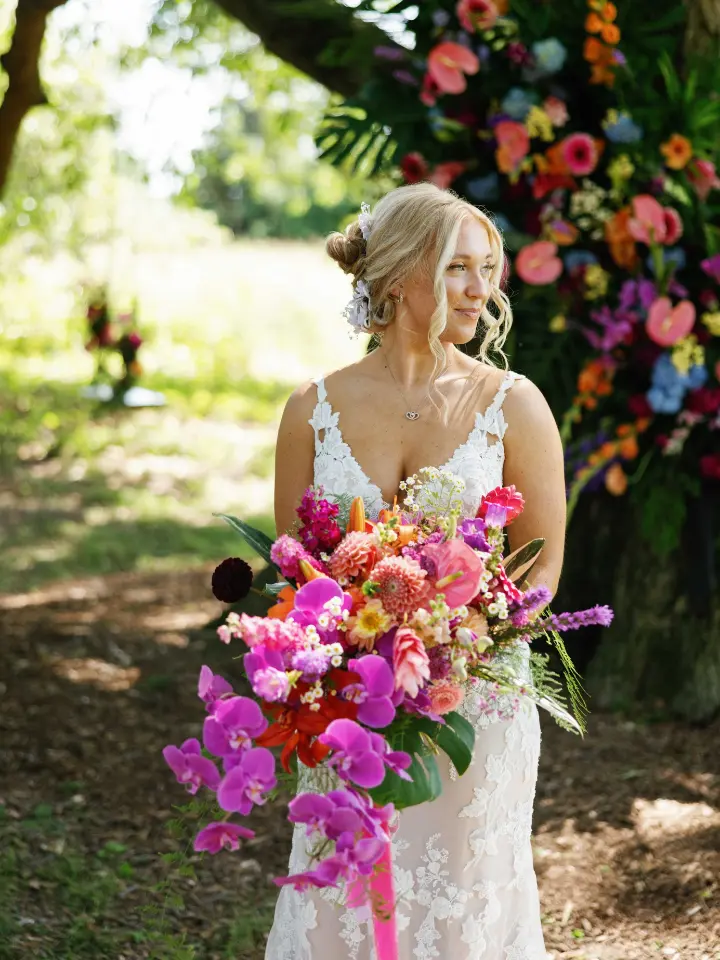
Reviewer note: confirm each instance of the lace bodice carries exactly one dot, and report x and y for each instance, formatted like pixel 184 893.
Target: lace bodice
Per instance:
pixel 478 461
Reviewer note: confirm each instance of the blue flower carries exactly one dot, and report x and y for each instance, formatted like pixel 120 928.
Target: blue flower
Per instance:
pixel 665 374
pixel 484 188
pixel 662 401
pixel 579 258
pixel 623 130
pixel 697 376
pixel 517 103
pixel 549 56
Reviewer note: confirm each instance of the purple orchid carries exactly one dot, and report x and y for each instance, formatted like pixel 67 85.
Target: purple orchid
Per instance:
pixel 212 687
pixel 233 725
pixel 248 782
pixel 711 266
pixel 354 756
pixel 190 767
pixel 614 328
pixel 351 858
pixel 215 836
pixel 374 694
pixel 396 760
pixel 265 669
pixel 311 606
pixel 324 815
pixel 473 533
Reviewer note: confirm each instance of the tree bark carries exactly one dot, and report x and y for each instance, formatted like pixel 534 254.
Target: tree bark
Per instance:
pixel 323 39
pixel 702 34
pixel 21 65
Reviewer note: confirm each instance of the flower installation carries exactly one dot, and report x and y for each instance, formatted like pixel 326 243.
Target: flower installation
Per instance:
pixel 104 341
pixel 378 632
pixel 599 161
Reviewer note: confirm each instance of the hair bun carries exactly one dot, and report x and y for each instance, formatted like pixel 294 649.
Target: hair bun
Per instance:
pixel 347 249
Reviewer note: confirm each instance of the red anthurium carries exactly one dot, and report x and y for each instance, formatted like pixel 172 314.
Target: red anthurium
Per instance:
pixel 448 63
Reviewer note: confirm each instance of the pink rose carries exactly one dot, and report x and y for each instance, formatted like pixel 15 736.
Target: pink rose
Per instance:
pixel 445 697
pixel 458 570
pixel 410 661
pixel 507 497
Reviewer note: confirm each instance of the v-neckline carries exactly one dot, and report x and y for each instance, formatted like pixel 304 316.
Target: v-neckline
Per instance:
pixel 479 416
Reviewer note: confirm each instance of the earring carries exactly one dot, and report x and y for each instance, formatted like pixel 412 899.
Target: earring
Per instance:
pixel 396 297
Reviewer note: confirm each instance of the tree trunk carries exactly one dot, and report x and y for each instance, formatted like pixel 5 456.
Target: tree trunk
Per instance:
pixel 702 34
pixel 662 651
pixel 21 65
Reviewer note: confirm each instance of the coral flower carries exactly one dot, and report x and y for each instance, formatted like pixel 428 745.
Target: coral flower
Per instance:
pixel 513 145
pixel 400 584
pixel 620 240
pixel 457 563
pixel 677 151
pixel 616 481
pixel 580 154
pixel 353 556
pixel 507 497
pixel 444 173
pixel 445 696
pixel 538 263
pixel 653 223
pixel 476 14
pixel 286 602
pixel 666 324
pixel 411 664
pixel 702 177
pixel 447 65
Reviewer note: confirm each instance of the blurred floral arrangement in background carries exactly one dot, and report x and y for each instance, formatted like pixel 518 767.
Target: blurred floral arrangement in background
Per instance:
pixel 110 338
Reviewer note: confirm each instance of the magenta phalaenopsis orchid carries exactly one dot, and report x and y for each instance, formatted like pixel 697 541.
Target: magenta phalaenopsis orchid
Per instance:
pixel 190 768
pixel 215 836
pixel 212 687
pixel 250 779
pixel 233 725
pixel 355 756
pixel 374 693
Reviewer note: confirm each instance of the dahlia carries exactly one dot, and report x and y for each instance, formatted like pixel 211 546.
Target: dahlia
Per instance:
pixel 411 664
pixel 400 585
pixel 352 555
pixel 445 696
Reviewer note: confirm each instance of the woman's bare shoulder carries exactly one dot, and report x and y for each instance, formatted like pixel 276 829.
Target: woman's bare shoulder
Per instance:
pixel 528 413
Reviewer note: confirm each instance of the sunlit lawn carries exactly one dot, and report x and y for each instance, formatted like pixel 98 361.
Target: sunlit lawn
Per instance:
pixel 230 329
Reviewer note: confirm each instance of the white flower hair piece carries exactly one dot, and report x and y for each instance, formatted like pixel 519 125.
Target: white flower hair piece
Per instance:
pixel 365 220
pixel 357 312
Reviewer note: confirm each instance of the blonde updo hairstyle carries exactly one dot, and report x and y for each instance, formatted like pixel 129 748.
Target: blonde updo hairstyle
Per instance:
pixel 413 228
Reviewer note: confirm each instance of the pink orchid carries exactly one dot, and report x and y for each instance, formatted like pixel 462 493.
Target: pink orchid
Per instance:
pixel 459 570
pixel 538 263
pixel 652 223
pixel 217 835
pixel 666 324
pixel 411 664
pixel 447 65
pixel 702 177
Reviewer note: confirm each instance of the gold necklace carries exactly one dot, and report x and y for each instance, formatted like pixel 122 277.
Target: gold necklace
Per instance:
pixel 409 414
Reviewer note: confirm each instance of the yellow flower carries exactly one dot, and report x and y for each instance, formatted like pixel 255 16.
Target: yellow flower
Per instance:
pixel 687 353
pixel 371 620
pixel 596 281
pixel 677 151
pixel 539 124
pixel 558 323
pixel 712 322
pixel 620 169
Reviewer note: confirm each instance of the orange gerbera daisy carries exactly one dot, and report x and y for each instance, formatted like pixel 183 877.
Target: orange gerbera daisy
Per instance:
pixel 677 151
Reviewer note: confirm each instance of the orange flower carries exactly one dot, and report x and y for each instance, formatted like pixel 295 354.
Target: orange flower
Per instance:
pixel 286 603
pixel 677 151
pixel 610 33
pixel 593 51
pixel 513 145
pixel 607 450
pixel 619 240
pixel 609 11
pixel 593 23
pixel 616 481
pixel 629 448
pixel 624 430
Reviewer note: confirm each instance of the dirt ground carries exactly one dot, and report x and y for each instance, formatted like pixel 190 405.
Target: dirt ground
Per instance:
pixel 96 676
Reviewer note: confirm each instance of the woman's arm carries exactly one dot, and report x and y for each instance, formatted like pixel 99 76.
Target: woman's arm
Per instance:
pixel 534 463
pixel 294 455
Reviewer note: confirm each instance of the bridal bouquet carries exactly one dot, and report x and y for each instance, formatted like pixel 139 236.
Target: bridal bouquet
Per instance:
pixel 379 633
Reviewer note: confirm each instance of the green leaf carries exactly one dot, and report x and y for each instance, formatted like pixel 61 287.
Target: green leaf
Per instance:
pixel 258 540
pixel 273 589
pixel 405 734
pixel 457 739
pixel 519 562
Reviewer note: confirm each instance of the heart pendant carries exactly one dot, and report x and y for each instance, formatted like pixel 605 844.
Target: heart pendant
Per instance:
pixel 412 415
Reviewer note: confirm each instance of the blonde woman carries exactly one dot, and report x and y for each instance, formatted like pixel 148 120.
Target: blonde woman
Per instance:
pixel 426 267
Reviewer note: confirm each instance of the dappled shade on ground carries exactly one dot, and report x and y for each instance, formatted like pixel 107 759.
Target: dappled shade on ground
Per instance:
pixel 99 674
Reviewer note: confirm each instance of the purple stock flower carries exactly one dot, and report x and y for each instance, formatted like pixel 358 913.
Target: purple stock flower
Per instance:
pixel 312 662
pixel 374 694
pixel 190 767
pixel 600 615
pixel 473 533
pixel 215 836
pixel 233 725
pixel 354 756
pixel 211 686
pixel 251 777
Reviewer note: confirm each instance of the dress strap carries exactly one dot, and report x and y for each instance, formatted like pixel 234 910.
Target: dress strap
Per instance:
pixel 507 382
pixel 321 391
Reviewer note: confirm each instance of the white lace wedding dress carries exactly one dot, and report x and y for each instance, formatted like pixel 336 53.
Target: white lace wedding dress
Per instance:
pixel 463 865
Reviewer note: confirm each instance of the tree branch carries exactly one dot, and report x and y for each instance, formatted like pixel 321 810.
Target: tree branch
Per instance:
pixel 322 38
pixel 21 65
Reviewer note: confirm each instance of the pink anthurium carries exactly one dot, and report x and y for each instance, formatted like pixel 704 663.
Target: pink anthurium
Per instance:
pixel 666 324
pixel 447 65
pixel 652 223
pixel 538 263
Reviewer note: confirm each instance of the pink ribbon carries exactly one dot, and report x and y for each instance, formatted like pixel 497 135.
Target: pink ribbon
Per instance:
pixel 382 895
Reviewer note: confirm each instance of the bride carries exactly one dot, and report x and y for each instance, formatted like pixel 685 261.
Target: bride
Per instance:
pixel 426 267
